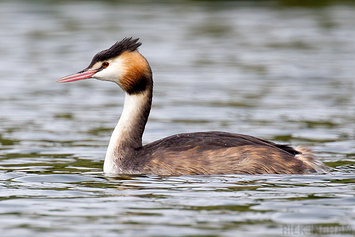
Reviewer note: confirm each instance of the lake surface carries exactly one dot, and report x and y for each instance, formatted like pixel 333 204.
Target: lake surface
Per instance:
pixel 280 73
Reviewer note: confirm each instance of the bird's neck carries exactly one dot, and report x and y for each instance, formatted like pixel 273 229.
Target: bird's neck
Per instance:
pixel 127 135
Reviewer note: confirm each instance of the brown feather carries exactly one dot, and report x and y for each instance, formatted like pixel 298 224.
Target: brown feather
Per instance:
pixel 207 153
pixel 137 76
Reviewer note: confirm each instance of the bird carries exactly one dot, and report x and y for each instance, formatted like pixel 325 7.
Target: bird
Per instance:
pixel 197 153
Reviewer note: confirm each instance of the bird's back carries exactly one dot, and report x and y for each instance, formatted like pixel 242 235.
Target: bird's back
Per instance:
pixel 217 153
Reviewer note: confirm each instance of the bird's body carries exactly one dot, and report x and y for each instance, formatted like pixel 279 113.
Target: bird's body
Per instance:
pixel 182 154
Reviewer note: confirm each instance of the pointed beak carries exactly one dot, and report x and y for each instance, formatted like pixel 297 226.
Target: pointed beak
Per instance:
pixel 78 76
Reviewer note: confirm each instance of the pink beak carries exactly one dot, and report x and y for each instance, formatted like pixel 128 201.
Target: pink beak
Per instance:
pixel 77 76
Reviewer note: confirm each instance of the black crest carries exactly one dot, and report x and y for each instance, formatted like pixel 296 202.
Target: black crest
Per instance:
pixel 127 44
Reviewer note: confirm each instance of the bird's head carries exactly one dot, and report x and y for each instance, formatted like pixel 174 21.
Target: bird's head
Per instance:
pixel 121 63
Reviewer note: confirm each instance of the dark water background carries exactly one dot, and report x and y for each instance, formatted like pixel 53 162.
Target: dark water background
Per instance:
pixel 283 73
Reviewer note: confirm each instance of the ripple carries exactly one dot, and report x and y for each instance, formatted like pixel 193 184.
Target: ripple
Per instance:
pixel 284 74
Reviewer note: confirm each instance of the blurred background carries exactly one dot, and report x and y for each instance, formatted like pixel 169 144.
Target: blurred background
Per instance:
pixel 281 70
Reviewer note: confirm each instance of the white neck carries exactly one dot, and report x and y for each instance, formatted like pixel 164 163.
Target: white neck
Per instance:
pixel 128 132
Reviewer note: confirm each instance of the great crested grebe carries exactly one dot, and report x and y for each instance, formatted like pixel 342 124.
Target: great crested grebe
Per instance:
pixel 200 153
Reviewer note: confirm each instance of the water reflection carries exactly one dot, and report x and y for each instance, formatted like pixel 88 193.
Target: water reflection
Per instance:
pixel 284 74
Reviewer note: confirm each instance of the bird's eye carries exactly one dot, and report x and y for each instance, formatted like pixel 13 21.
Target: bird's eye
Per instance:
pixel 105 64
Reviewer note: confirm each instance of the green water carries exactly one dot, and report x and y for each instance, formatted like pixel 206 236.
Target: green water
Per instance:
pixel 280 73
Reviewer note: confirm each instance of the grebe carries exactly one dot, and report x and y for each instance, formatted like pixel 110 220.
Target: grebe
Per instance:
pixel 200 153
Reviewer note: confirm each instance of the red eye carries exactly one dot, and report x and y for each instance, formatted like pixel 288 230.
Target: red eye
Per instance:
pixel 105 64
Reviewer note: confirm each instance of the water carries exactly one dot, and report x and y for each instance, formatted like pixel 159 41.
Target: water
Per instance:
pixel 284 74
